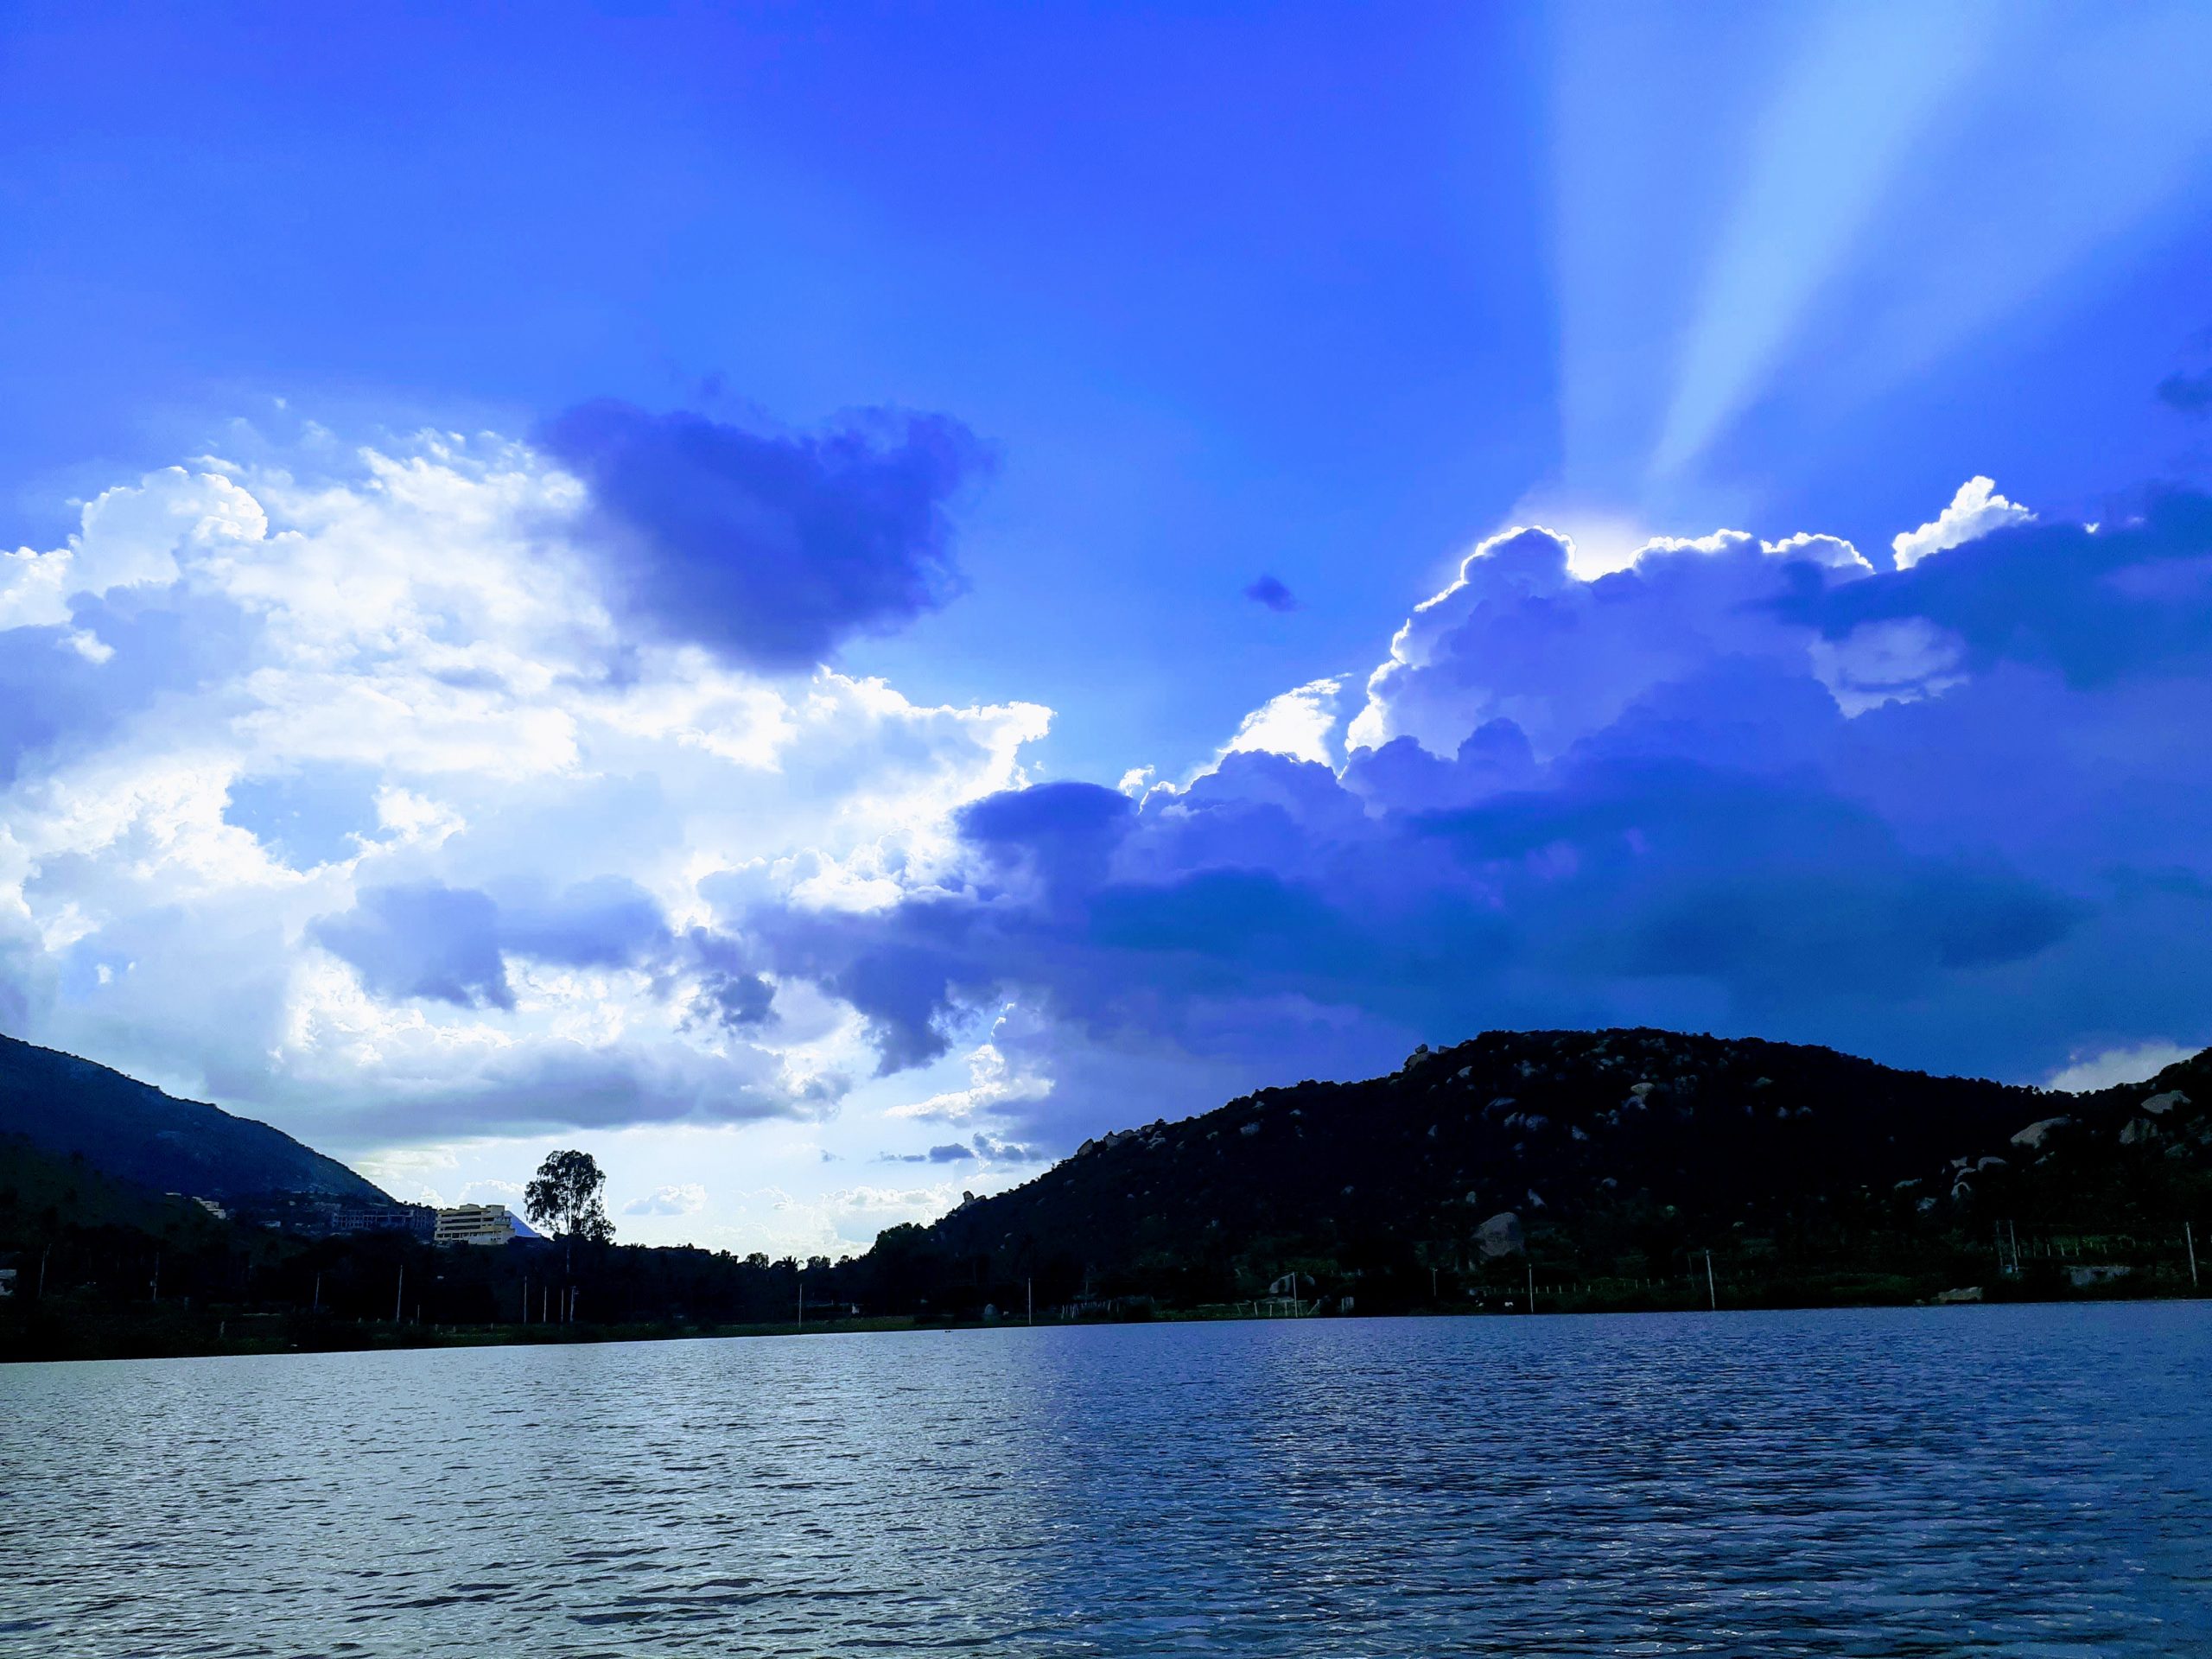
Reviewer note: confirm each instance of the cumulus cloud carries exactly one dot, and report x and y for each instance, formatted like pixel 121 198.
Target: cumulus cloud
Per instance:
pixel 685 1200
pixel 1975 511
pixel 993 1083
pixel 1297 723
pixel 1519 638
pixel 423 940
pixel 382 809
pixel 1942 815
pixel 343 785
pixel 770 550
pixel 2135 1063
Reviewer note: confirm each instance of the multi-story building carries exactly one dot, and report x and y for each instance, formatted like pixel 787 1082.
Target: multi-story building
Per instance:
pixel 409 1218
pixel 474 1224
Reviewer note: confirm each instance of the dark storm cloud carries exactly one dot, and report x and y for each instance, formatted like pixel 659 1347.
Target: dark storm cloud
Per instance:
pixel 449 945
pixel 424 940
pixel 770 550
pixel 606 922
pixel 2096 606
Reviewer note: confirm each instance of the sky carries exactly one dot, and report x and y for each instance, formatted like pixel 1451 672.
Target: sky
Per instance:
pixel 827 603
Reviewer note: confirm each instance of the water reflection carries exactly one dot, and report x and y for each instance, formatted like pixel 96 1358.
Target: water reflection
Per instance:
pixel 2013 1480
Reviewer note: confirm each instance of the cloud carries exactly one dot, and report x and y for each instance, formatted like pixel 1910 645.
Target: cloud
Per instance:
pixel 130 538
pixel 734 1001
pixel 1975 511
pixel 1297 723
pixel 2191 394
pixel 2114 1066
pixel 986 1148
pixel 1943 815
pixel 1271 593
pixel 1519 638
pixel 429 940
pixel 770 550
pixel 423 940
pixel 334 787
pixel 307 816
pixel 380 815
pixel 993 1086
pixel 686 1200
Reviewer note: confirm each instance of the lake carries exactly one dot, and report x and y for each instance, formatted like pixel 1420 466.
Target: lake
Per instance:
pixel 2015 1480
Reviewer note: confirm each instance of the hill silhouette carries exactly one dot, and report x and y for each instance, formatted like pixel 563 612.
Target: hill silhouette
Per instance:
pixel 133 1132
pixel 1621 1152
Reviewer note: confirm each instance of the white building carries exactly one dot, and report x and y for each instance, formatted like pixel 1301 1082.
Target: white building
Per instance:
pixel 474 1224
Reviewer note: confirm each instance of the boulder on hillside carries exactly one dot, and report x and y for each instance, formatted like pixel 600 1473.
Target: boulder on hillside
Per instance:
pixel 1500 1236
pixel 2037 1133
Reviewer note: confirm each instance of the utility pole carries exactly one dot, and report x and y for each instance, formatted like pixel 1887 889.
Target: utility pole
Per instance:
pixel 1532 1286
pixel 399 1292
pixel 157 1278
pixel 47 1251
pixel 316 1306
pixel 525 1299
pixel 801 1276
pixel 1029 1288
pixel 2187 1237
pixel 1711 1294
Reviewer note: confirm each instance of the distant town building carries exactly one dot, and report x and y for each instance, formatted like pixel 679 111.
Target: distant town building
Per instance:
pixel 474 1224
pixel 213 1209
pixel 374 1221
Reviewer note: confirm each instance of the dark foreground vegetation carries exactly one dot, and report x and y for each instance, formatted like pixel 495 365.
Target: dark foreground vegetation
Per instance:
pixel 1610 1171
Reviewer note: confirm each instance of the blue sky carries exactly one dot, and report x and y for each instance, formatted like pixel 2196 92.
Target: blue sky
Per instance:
pixel 995 357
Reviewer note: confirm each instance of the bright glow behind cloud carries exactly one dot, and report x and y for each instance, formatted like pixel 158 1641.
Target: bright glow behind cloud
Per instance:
pixel 1975 511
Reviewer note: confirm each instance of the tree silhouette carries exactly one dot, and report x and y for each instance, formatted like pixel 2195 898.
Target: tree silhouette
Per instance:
pixel 564 1197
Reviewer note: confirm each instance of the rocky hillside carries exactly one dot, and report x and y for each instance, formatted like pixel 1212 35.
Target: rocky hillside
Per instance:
pixel 131 1131
pixel 1612 1151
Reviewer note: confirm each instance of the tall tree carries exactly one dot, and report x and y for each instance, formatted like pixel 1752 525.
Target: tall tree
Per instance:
pixel 564 1197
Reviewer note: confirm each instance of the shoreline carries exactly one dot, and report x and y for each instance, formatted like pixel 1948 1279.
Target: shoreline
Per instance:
pixel 187 1335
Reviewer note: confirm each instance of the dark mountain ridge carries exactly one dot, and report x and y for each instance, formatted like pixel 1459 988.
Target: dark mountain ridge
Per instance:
pixel 1604 1152
pixel 69 1107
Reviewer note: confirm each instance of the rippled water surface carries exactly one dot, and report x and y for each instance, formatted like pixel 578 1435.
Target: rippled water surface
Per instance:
pixel 2002 1480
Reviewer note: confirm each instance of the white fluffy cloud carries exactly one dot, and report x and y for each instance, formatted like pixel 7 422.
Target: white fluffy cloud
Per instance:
pixel 1519 637
pixel 2113 1067
pixel 685 1200
pixel 1975 511
pixel 269 707
pixel 1298 723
